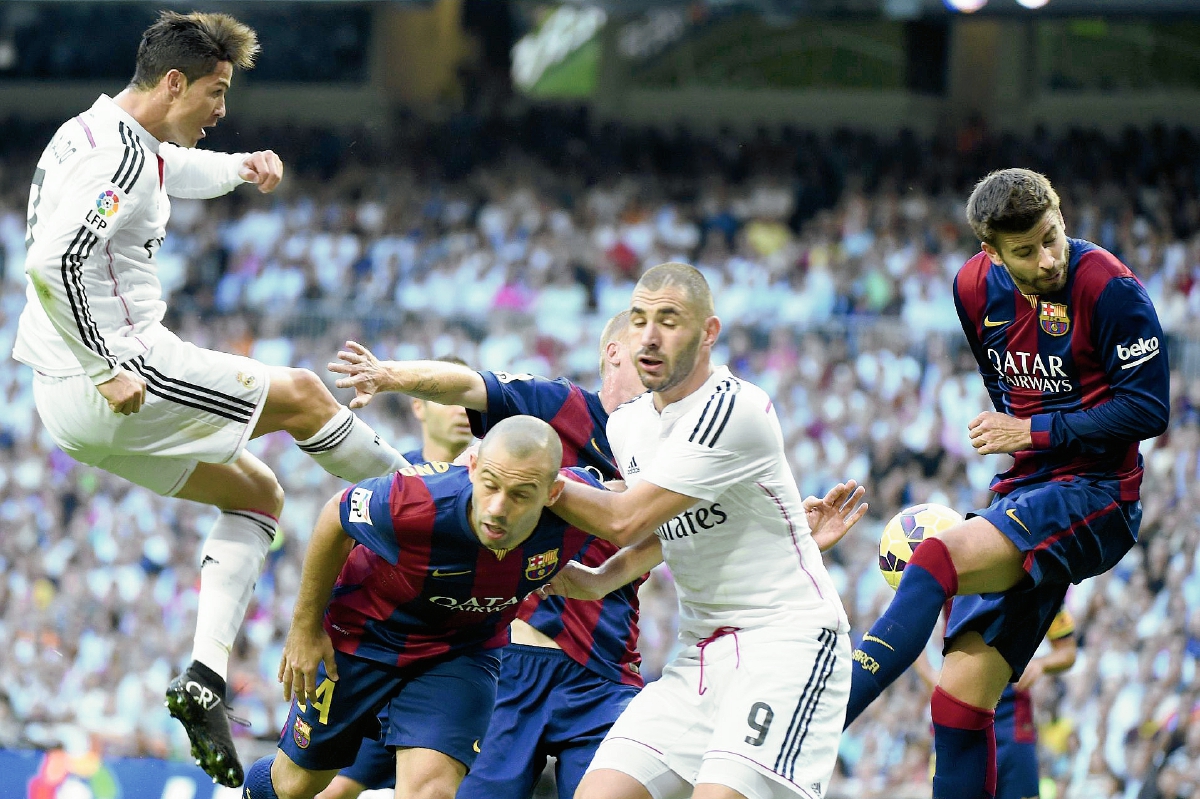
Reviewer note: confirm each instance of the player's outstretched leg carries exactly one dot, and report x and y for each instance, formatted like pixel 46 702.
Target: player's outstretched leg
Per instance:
pixel 897 638
pixel 339 441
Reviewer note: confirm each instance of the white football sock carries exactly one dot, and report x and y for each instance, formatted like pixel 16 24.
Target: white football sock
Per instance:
pixel 348 448
pixel 231 560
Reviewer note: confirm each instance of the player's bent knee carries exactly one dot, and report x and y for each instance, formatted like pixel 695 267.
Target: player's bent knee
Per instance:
pixel 262 488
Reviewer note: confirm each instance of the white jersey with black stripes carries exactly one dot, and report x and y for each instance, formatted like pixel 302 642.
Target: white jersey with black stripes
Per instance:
pixel 742 556
pixel 98 210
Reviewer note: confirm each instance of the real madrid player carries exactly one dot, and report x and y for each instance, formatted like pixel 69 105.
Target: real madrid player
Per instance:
pixel 752 705
pixel 1073 356
pixel 118 390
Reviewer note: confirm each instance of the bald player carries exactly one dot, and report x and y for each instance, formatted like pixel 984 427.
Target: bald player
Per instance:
pixel 413 617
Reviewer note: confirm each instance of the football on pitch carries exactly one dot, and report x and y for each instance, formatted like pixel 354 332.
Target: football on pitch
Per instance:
pixel 907 529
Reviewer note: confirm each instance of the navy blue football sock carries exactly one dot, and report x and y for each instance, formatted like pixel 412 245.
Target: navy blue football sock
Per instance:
pixel 964 745
pixel 258 780
pixel 898 637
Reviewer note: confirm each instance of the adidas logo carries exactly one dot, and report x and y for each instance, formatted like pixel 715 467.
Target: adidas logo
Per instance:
pixel 203 694
pixel 632 468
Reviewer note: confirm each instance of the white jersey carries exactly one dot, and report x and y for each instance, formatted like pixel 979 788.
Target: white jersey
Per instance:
pixel 98 211
pixel 742 556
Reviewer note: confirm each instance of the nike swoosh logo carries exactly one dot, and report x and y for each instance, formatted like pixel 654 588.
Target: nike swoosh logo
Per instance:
pixel 440 573
pixel 989 323
pixel 475 746
pixel 1012 514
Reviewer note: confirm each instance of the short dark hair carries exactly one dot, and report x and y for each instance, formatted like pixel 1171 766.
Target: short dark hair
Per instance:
pixel 1009 201
pixel 686 277
pixel 193 44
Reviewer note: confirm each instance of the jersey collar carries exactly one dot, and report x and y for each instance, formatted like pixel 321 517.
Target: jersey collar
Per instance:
pixel 107 106
pixel 680 407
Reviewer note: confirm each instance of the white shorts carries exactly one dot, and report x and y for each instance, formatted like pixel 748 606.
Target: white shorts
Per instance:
pixel 201 407
pixel 767 724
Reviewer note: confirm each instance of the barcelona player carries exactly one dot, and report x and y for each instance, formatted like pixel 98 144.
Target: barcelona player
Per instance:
pixel 1016 734
pixel 409 622
pixel 1073 356
pixel 573 665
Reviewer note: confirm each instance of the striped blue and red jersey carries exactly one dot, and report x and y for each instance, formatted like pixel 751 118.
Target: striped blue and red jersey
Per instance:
pixel 1087 364
pixel 421 585
pixel 600 635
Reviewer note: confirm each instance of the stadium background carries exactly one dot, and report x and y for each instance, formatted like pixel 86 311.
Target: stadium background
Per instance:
pixel 487 178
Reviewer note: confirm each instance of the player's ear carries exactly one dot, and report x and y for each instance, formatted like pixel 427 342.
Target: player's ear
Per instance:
pixel 712 329
pixel 176 82
pixel 556 490
pixel 992 253
pixel 612 353
pixel 472 463
pixel 418 409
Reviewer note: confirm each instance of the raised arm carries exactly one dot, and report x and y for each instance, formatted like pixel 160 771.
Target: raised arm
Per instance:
pixel 435 381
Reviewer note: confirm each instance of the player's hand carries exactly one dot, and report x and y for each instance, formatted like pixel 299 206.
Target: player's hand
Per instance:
pixel 263 169
pixel 832 517
pixel 303 651
pixel 1033 672
pixel 574 581
pixel 125 392
pixel 365 373
pixel 993 432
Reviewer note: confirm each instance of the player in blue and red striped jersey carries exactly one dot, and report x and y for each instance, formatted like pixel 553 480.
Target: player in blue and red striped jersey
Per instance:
pixel 573 665
pixel 1072 353
pixel 410 621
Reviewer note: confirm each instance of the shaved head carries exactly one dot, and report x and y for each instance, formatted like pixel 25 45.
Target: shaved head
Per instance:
pixel 526 439
pixel 685 277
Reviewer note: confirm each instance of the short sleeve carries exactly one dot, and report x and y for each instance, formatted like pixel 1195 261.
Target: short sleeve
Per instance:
pixel 365 511
pixel 733 442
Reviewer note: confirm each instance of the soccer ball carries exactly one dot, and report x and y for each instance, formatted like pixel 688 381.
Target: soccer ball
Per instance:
pixel 907 529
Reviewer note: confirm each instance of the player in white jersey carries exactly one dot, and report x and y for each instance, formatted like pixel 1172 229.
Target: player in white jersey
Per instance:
pixel 753 704
pixel 116 389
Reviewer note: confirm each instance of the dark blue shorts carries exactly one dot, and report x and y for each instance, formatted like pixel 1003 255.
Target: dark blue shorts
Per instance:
pixel 1016 748
pixel 1068 531
pixel 375 765
pixel 548 705
pixel 444 706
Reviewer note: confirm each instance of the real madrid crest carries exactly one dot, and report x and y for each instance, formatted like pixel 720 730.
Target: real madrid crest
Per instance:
pixel 1054 319
pixel 247 380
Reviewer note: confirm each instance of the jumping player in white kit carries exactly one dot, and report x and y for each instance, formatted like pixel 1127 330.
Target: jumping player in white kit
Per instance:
pixel 118 390
pixel 753 704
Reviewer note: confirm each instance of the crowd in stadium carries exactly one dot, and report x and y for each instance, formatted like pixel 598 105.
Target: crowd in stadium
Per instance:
pixel 509 244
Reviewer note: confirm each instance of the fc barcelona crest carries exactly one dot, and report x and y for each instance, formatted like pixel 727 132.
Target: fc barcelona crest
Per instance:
pixel 302 733
pixel 538 566
pixel 1054 319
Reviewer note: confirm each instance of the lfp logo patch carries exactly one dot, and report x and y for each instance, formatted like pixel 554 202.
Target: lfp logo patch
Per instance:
pixel 107 202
